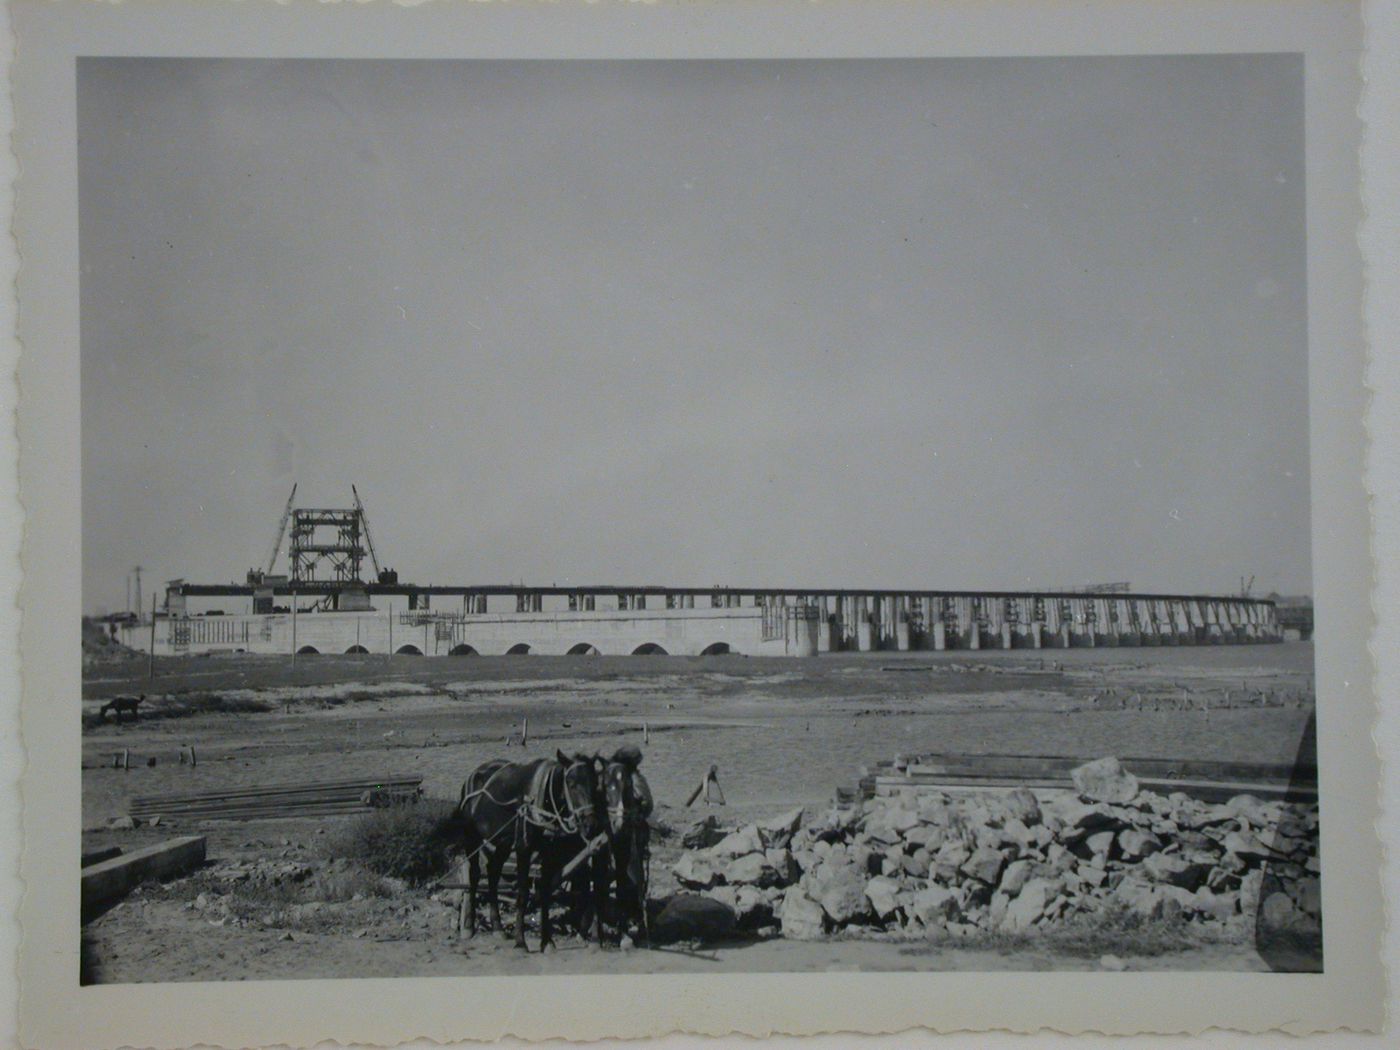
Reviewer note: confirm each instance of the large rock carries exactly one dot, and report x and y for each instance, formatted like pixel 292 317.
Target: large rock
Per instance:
pixel 867 859
pixel 926 836
pixel 1134 844
pixel 702 834
pixel 1105 780
pixel 1018 833
pixel 933 809
pixel 1029 905
pixel 985 865
pixel 1140 898
pixel 738 843
pixel 1091 875
pixel 753 906
pixel 948 861
pixel 882 833
pixel 1059 858
pixel 751 869
pixel 1022 805
pixel 777 832
pixel 901 819
pixel 883 893
pixel 1217 907
pixel 1257 813
pixel 697 869
pixel 1016 875
pixel 802 918
pixel 1078 820
pixel 1251 883
pixel 840 890
pixel 1100 844
pixel 918 863
pixel 996 910
pixel 1245 846
pixel 689 916
pixel 936 906
pixel 783 863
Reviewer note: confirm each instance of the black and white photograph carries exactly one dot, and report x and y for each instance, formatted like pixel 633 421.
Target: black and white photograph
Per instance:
pixel 908 354
pixel 545 517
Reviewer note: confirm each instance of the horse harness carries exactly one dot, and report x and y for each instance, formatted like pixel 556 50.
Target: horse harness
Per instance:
pixel 541 809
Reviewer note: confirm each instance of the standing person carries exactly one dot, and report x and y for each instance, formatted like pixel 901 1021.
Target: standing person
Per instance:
pixel 629 805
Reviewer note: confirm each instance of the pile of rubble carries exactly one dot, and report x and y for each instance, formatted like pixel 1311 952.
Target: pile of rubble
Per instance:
pixel 929 864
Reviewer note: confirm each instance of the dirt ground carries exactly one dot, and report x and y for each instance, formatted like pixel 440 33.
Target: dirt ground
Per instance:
pixel 782 732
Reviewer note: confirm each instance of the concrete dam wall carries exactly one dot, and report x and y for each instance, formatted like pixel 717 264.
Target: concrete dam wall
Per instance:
pixel 762 624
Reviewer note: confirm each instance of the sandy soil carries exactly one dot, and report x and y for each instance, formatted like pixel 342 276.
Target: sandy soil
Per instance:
pixel 783 733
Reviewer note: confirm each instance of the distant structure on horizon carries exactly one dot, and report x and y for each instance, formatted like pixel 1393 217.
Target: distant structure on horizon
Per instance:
pixel 324 605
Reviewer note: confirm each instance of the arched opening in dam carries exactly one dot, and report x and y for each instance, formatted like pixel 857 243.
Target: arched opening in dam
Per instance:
pixel 308 650
pixel 717 649
pixel 518 650
pixel 583 649
pixel 650 649
pixel 356 650
pixel 409 650
pixel 463 650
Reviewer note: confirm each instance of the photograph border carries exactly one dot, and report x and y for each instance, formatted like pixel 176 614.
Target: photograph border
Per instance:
pixel 54 1010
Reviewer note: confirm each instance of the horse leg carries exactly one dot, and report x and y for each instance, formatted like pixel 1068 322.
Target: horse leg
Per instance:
pixel 549 875
pixel 473 873
pixel 495 864
pixel 522 883
pixel 599 887
pixel 616 885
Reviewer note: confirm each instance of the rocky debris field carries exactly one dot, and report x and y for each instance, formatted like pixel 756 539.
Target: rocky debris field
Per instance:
pixel 929 864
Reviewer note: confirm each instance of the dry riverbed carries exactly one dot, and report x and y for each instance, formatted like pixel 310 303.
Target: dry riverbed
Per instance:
pixel 783 733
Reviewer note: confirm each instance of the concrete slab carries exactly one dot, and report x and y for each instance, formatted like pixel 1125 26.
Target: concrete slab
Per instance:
pixel 114 878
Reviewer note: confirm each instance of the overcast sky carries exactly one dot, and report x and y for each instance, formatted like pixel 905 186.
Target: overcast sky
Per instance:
pixel 928 323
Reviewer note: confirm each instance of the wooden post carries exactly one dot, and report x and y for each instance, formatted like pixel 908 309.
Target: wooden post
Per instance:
pixel 391 627
pixel 646 733
pixel 151 656
pixel 709 787
pixel 126 758
pixel 294 626
pixel 525 731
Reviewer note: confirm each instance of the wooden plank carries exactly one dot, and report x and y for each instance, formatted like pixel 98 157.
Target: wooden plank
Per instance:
pixel 361 784
pixel 1197 769
pixel 114 878
pixel 280 811
pixel 1205 790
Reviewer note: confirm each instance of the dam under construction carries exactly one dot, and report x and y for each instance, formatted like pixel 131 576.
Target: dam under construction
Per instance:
pixel 325 604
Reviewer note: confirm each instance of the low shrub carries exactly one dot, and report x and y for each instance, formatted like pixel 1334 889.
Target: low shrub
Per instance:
pixel 408 842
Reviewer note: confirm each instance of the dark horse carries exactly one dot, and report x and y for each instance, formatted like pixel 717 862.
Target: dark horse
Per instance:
pixel 549 808
pixel 123 705
pixel 629 805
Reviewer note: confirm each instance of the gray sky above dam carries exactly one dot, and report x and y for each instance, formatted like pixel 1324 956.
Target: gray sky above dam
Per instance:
pixel 936 323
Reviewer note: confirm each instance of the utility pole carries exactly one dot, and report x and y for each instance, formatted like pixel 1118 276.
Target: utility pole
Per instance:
pixel 137 571
pixel 151 656
pixel 294 626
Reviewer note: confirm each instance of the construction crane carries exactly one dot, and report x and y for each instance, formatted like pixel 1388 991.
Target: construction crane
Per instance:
pixel 1246 586
pixel 281 531
pixel 364 523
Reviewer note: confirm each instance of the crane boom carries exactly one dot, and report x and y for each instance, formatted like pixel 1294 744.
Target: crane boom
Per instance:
pixel 364 523
pixel 281 530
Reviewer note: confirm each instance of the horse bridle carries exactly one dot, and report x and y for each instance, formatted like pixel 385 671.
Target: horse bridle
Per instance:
pixel 553 818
